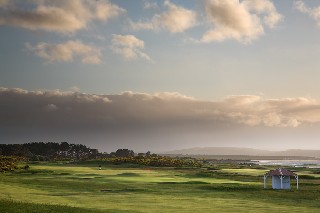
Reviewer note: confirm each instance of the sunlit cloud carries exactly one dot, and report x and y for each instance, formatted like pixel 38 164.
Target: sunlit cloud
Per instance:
pixel 129 47
pixel 242 21
pixel 57 16
pixel 314 13
pixel 175 19
pixel 66 52
pixel 265 8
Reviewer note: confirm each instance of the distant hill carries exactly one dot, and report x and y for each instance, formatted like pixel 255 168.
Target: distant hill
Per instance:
pixel 244 151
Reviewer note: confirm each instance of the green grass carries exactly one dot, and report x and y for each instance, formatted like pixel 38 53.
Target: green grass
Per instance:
pixel 85 188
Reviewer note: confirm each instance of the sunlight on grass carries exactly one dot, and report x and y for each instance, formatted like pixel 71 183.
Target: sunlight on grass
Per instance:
pixel 252 172
pixel 152 190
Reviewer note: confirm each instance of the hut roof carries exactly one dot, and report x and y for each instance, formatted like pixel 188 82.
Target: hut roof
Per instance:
pixel 280 171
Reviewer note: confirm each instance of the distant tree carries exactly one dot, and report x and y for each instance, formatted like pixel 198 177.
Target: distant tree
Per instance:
pixel 124 153
pixel 64 149
pixel 112 154
pixel 94 153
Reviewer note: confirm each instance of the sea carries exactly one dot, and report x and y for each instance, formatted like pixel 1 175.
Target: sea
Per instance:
pixel 292 163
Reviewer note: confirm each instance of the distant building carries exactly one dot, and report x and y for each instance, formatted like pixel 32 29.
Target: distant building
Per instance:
pixel 280 178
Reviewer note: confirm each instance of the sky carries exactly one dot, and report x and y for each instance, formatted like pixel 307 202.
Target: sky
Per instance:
pixel 161 75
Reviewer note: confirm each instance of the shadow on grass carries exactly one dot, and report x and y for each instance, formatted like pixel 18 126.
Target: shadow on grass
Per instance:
pixel 121 190
pixel 31 172
pixel 231 187
pixel 187 182
pixel 128 174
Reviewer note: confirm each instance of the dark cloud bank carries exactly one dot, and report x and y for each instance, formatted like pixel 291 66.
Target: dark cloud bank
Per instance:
pixel 161 121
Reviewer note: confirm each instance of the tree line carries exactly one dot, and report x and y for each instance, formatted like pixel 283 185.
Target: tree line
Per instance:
pixel 49 151
pixel 44 151
pixel 10 154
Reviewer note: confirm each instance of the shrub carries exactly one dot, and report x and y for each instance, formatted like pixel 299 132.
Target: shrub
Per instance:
pixel 9 163
pixel 155 161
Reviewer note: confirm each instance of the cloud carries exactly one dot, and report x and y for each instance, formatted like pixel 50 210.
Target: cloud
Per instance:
pixel 79 110
pixel 160 121
pixel 265 7
pixel 57 16
pixel 51 107
pixel 150 5
pixel 241 21
pixel 314 13
pixel 129 47
pixel 75 89
pixel 175 19
pixel 4 3
pixel 66 52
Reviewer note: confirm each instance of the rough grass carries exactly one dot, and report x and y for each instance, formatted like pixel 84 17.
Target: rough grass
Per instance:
pixel 85 188
pixel 10 206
